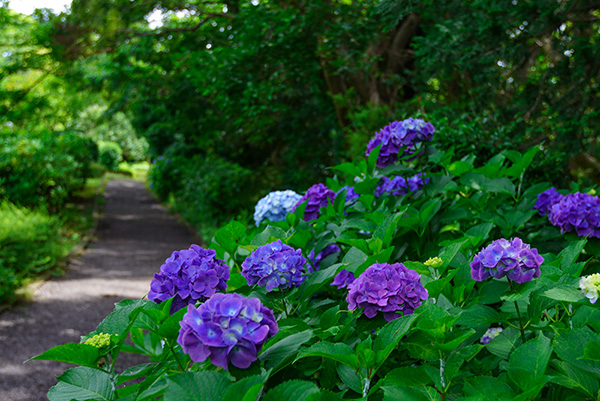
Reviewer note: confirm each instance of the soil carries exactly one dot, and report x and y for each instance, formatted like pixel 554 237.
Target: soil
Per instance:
pixel 135 235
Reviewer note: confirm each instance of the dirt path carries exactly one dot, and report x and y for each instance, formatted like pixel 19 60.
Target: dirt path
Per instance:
pixel 135 236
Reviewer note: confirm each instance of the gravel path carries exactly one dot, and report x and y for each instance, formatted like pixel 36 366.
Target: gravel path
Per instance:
pixel 135 236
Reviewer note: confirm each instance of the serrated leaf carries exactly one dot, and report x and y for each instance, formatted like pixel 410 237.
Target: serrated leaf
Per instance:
pixel 79 354
pixel 293 390
pixel 229 236
pixel 275 356
pixel 83 384
pixel 268 235
pixel 564 293
pixel 390 335
pixel 527 364
pixel 246 388
pixel 339 352
pixel 196 386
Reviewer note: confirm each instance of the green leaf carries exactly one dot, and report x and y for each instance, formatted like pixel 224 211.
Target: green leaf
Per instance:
pixel 275 355
pixel 83 384
pixel 372 159
pixel 170 327
pixel 429 210
pixel 505 343
pixel 79 354
pixel 569 256
pixel 564 293
pixel 246 388
pixel 575 379
pixel 414 376
pixel 478 315
pixel 390 335
pixel 488 388
pixel 228 237
pixel 592 351
pixel 424 393
pixel 479 234
pixel 570 345
pixel 268 235
pixel 339 352
pixel 293 390
pixel 350 378
pixel 527 364
pixel 348 168
pixel 196 386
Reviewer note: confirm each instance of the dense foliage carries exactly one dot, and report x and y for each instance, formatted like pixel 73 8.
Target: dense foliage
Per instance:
pixel 284 89
pixel 456 290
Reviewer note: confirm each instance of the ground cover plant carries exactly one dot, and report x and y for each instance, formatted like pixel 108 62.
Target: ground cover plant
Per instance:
pixel 409 275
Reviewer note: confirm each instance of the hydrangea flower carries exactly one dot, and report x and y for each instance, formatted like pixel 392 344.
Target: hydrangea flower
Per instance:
pixel 513 259
pixel 434 262
pixel 579 212
pixel 317 196
pixel 316 261
pixel 275 206
pixel 590 286
pixel 189 275
pixel 388 288
pixel 343 279
pixel 490 334
pixel 100 340
pixel 400 186
pixel 351 195
pixel 399 137
pixel 274 265
pixel 545 201
pixel 228 328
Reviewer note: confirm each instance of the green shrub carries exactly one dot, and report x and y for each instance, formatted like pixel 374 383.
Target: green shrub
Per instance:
pixel 110 155
pixel 43 169
pixel 30 243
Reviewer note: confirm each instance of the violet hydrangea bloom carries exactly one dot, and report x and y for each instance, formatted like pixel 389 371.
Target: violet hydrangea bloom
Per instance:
pixel 579 212
pixel 316 261
pixel 389 288
pixel 400 186
pixel 275 265
pixel 316 197
pixel 400 137
pixel 275 206
pixel 189 275
pixel 351 195
pixel 228 328
pixel 545 201
pixel 513 259
pixel 343 279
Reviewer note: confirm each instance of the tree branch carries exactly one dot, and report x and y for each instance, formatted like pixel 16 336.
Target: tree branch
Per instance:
pixel 159 32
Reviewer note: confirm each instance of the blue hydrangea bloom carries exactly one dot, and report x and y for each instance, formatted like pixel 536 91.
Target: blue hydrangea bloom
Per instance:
pixel 513 259
pixel 275 265
pixel 579 212
pixel 400 137
pixel 545 201
pixel 316 261
pixel 189 275
pixel 389 288
pixel 275 206
pixel 316 197
pixel 228 328
pixel 343 279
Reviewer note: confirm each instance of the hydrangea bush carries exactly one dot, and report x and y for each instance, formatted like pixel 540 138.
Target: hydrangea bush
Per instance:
pixel 460 290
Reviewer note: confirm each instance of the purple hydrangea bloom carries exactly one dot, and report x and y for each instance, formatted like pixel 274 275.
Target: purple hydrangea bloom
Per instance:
pixel 316 197
pixel 350 193
pixel 228 328
pixel 189 275
pixel 395 186
pixel 399 137
pixel 579 212
pixel 388 288
pixel 275 206
pixel 545 201
pixel 274 265
pixel 400 186
pixel 343 279
pixel 316 261
pixel 513 259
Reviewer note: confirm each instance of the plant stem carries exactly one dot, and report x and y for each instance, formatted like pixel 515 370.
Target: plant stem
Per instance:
pixel 175 356
pixel 518 314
